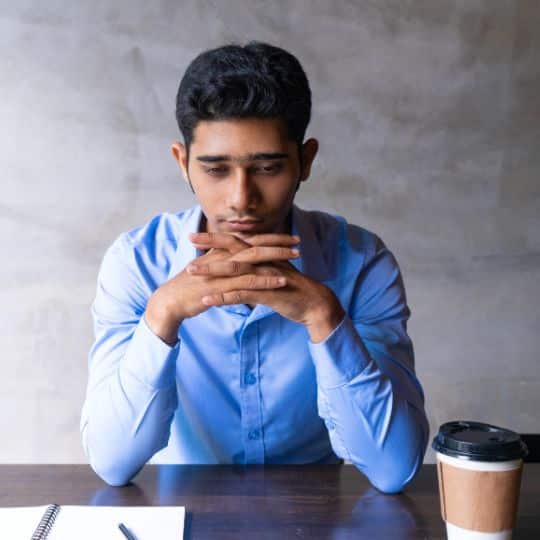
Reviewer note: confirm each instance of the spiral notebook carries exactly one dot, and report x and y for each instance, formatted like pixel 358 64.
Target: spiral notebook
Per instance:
pixel 55 522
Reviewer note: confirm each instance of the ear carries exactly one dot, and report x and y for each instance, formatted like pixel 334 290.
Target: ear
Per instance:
pixel 308 153
pixel 178 150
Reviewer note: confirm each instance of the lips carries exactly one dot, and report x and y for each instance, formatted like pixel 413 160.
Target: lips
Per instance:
pixel 244 225
pixel 244 221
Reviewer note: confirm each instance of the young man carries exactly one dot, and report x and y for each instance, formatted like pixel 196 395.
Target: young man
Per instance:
pixel 246 330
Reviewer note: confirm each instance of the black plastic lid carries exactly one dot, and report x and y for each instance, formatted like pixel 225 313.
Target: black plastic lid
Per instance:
pixel 477 441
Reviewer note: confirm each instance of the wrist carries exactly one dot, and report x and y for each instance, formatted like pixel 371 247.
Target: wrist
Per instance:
pixel 161 320
pixel 324 321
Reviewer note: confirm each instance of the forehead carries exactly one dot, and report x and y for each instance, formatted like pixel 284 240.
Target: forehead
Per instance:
pixel 238 137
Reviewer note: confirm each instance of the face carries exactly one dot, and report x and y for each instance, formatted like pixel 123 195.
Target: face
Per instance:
pixel 245 169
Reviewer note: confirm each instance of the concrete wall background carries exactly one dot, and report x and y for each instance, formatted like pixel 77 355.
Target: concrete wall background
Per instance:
pixel 428 114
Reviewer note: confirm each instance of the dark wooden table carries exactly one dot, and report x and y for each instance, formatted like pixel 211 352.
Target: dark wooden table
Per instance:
pixel 264 502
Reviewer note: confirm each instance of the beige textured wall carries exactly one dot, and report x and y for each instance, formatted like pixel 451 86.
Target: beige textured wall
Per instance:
pixel 428 114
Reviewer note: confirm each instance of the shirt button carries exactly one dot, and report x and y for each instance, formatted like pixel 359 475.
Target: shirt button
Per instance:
pixel 254 434
pixel 250 378
pixel 330 424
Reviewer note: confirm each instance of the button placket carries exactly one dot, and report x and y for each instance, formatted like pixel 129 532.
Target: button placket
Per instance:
pixel 250 379
pixel 250 397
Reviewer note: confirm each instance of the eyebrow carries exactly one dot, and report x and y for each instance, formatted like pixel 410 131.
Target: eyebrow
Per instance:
pixel 260 156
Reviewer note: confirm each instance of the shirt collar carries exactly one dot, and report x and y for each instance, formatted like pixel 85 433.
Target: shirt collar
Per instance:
pixel 311 261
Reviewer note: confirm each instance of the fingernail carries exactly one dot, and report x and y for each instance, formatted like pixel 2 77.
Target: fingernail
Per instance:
pixel 296 252
pixel 191 269
pixel 282 281
pixel 296 238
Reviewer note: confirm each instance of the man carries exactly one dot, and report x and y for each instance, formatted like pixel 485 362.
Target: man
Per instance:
pixel 246 330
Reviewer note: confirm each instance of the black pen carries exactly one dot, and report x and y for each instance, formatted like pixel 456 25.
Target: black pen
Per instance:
pixel 125 532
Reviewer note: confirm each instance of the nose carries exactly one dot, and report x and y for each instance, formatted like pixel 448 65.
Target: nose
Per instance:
pixel 243 194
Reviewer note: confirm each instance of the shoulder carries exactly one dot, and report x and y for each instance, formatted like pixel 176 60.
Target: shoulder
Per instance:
pixel 335 233
pixel 147 251
pixel 155 236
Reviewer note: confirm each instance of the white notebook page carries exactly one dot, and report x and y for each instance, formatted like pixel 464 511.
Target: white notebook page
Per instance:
pixel 92 522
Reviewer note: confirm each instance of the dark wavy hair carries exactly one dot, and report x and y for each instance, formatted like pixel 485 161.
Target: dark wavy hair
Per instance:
pixel 233 81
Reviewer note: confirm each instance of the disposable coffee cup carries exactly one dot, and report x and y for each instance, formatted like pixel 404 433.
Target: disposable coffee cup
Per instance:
pixel 479 472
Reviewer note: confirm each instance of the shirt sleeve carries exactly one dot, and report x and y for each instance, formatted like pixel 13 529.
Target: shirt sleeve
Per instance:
pixel 131 394
pixel 368 394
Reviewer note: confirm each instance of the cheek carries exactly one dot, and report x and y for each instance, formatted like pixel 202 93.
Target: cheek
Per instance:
pixel 204 187
pixel 280 195
pixel 282 192
pixel 210 197
pixel 279 188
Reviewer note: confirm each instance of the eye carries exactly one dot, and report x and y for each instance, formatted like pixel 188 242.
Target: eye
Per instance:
pixel 216 170
pixel 268 169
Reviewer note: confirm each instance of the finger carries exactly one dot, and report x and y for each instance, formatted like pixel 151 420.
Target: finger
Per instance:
pixel 268 270
pixel 255 282
pixel 236 297
pixel 246 282
pixel 232 268
pixel 213 254
pixel 272 240
pixel 226 241
pixel 220 268
pixel 259 254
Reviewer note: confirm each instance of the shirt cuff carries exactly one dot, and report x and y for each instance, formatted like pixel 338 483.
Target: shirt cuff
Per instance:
pixel 149 359
pixel 340 357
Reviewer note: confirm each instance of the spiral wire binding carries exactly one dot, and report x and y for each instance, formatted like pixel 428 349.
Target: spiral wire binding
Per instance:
pixel 46 522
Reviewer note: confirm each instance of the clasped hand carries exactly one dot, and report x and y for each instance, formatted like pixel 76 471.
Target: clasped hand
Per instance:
pixel 256 270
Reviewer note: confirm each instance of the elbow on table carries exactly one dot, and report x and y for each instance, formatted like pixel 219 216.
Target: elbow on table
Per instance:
pixel 389 485
pixel 112 469
pixel 394 470
pixel 392 473
pixel 391 476
pixel 107 469
pixel 113 474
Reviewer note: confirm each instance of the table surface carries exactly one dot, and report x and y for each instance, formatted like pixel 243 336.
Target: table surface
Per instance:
pixel 234 502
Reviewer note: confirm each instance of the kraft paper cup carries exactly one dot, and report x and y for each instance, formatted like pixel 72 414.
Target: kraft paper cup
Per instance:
pixel 479 470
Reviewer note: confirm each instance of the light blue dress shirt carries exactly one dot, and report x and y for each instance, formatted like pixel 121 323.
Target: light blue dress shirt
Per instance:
pixel 247 385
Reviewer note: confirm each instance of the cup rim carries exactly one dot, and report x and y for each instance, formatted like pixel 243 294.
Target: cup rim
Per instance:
pixel 481 464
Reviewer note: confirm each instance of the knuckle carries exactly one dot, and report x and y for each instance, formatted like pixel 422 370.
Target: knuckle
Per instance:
pixel 235 267
pixel 252 240
pixel 214 254
pixel 262 271
pixel 238 297
pixel 237 241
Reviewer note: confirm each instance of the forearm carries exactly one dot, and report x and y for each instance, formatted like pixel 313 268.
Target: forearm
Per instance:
pixel 160 318
pixel 375 421
pixel 128 411
pixel 324 320
pixel 377 429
